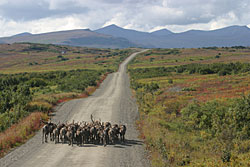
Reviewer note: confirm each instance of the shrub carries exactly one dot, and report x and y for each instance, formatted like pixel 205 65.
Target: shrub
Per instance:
pixel 188 89
pixel 228 122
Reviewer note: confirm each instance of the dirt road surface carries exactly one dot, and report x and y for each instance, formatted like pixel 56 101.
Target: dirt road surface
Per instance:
pixel 111 102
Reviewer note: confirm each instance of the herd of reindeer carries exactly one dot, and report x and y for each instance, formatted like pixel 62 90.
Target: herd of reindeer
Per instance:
pixel 95 132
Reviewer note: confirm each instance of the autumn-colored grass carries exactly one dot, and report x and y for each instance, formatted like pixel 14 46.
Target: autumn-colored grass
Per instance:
pixel 205 88
pixel 19 133
pixel 28 57
pixel 168 57
pixel 168 138
pixel 20 57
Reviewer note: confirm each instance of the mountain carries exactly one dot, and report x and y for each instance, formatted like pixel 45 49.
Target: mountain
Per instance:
pixel 113 36
pixel 81 37
pixel 162 32
pixel 22 34
pixel 229 36
pixel 144 39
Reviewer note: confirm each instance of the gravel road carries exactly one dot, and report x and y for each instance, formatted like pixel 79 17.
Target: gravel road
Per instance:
pixel 111 102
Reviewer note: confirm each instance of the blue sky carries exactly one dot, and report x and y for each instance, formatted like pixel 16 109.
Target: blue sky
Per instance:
pixel 38 16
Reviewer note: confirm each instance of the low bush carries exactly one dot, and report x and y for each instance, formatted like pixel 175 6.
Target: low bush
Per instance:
pixel 18 92
pixel 232 120
pixel 20 132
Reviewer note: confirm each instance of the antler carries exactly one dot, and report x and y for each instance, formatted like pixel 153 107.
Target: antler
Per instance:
pixel 91 117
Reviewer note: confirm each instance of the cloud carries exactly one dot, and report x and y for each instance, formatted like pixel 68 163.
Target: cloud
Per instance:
pixel 183 15
pixel 41 25
pixel 33 10
pixel 146 15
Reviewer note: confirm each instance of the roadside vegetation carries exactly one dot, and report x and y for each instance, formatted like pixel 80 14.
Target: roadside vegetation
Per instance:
pixel 194 113
pixel 29 91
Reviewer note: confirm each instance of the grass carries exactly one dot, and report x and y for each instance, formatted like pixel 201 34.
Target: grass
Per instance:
pixel 27 57
pixel 168 57
pixel 19 133
pixel 16 136
pixel 168 137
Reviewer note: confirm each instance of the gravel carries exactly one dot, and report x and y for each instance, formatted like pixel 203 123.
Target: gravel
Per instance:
pixel 111 102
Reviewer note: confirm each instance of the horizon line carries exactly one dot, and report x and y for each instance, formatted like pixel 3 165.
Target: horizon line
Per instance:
pixel 88 29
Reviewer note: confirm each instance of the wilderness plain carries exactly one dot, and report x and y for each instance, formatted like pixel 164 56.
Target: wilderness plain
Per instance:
pixel 197 103
pixel 192 103
pixel 124 83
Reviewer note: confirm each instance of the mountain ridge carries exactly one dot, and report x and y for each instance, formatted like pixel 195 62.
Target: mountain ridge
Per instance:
pixel 113 36
pixel 162 32
pixel 77 37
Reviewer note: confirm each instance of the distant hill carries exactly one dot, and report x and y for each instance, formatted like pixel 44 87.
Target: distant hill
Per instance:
pixel 113 36
pixel 162 32
pixel 229 36
pixel 145 39
pixel 22 34
pixel 81 37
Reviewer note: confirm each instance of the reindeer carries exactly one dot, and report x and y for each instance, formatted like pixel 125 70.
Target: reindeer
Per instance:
pixel 111 134
pixel 56 132
pixel 70 135
pixel 96 132
pixel 63 136
pixel 115 128
pixel 45 133
pixel 52 126
pixel 122 131
pixel 93 134
pixel 79 136
pixel 102 139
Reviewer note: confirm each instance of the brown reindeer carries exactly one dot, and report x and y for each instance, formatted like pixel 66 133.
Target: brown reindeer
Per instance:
pixel 115 128
pixel 122 131
pixel 63 132
pixel 70 135
pixel 79 136
pixel 56 133
pixel 106 136
pixel 52 126
pixel 93 134
pixel 111 134
pixel 45 131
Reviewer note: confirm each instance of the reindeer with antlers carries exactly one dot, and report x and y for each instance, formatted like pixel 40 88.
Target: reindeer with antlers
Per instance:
pixel 95 132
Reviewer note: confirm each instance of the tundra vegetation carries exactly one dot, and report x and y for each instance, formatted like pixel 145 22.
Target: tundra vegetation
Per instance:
pixel 194 105
pixel 35 77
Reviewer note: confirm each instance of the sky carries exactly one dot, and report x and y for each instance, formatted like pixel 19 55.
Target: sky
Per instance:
pixel 39 16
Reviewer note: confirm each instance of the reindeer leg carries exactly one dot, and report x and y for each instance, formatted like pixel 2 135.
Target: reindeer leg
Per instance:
pixel 43 137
